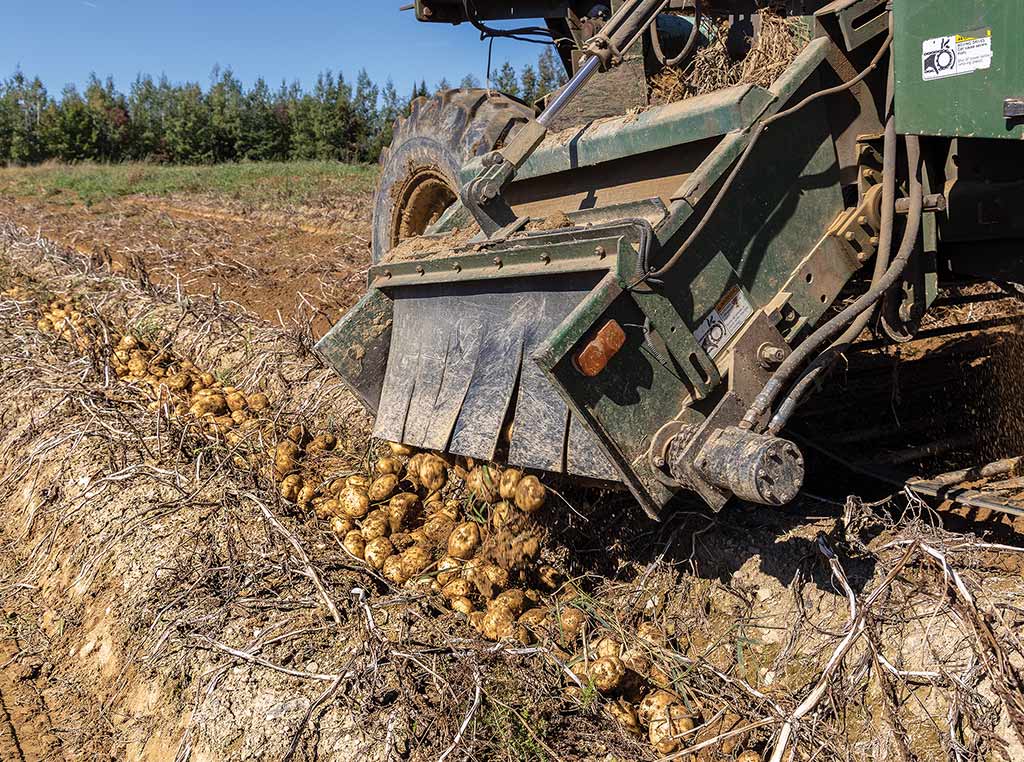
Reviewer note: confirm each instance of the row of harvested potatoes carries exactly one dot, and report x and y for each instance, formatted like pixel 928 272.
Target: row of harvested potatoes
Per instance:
pixel 464 531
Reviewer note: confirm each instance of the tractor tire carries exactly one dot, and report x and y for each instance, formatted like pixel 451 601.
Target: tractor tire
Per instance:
pixel 419 172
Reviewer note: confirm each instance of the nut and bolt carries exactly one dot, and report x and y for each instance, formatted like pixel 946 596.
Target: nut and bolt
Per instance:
pixel 600 251
pixel 419 269
pixel 770 356
pixel 545 258
pixel 456 267
pixel 497 261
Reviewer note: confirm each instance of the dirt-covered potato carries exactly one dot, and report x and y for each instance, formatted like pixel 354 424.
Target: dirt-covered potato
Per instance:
pixel 513 599
pixel 240 417
pixel 415 560
pixel 666 727
pixel 476 621
pixel 355 544
pixel 377 552
pixel 448 568
pixel 457 588
pixel 298 434
pixel 570 623
pixel 461 604
pixel 236 401
pixel 412 467
pixel 290 487
pixel 341 525
pixel 636 659
pixel 432 473
pixel 652 634
pixel 389 466
pixel 535 618
pixel 322 443
pixel 607 645
pixel 403 509
pixel 258 401
pixel 654 702
pixel 530 494
pixel 464 540
pixel 382 488
pixel 359 481
pixel 306 495
pixel 203 404
pixel 375 525
pixel 394 570
pixel 607 673
pixel 549 578
pixel 438 528
pixel 498 623
pixel 622 712
pixel 400 450
pixel 209 380
pixel 504 514
pixel 489 579
pixel 177 382
pixel 286 458
pixel 510 479
pixel 354 502
pixel 749 756
pixel 482 483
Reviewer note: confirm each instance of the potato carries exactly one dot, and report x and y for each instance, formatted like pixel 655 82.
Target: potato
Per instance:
pixel 306 495
pixel 513 599
pixel 389 466
pixel 236 401
pixel 438 528
pixel 666 727
pixel 354 502
pixel 209 381
pixel 549 578
pixel 377 552
pixel 535 618
pixel 530 494
pixel 382 488
pixel 489 580
pixel 355 544
pixel 622 712
pixel 498 623
pixel 457 588
pixel 290 487
pixel 298 434
pixel 448 569
pixel 432 473
pixel 607 673
pixel 607 645
pixel 571 623
pixel 482 483
pixel 341 525
pixel 461 604
pixel 257 401
pixel 476 621
pixel 127 342
pixel 507 484
pixel 749 756
pixel 177 382
pixel 400 450
pixel 652 634
pixel 322 443
pixel 505 514
pixel 653 703
pixel 376 525
pixel 359 481
pixel 464 540
pixel 403 509
pixel 415 560
pixel 286 457
pixel 412 466
pixel 240 417
pixel 636 660
pixel 394 570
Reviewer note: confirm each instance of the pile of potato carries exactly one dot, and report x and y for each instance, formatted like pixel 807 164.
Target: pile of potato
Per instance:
pixel 62 319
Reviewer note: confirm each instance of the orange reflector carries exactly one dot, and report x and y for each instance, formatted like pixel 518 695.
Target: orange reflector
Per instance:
pixel 593 358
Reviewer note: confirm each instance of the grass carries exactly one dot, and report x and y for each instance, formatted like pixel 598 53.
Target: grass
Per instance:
pixel 296 182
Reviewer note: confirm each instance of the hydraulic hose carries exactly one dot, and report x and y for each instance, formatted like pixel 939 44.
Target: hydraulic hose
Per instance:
pixel 826 359
pixel 763 402
pixel 691 41
pixel 758 132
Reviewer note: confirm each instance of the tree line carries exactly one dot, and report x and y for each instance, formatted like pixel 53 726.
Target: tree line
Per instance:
pixel 158 121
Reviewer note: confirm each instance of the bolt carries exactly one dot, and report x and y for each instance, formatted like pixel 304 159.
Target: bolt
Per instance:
pixel 427 11
pixel 873 240
pixel 545 258
pixel 862 220
pixel 419 269
pixel 599 251
pixel 762 474
pixel 863 256
pixel 867 174
pixel 659 461
pixel 848 235
pixel 387 273
pixel 497 261
pixel 457 267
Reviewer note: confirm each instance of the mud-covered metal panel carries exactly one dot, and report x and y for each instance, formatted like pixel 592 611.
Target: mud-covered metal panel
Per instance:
pixel 357 347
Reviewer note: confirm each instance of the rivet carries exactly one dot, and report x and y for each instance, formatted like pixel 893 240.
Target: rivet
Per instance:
pixel 545 258
pixel 457 267
pixel 497 261
pixel 387 273
pixel 419 269
pixel 600 252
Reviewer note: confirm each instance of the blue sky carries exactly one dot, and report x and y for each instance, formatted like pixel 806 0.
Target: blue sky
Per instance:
pixel 62 41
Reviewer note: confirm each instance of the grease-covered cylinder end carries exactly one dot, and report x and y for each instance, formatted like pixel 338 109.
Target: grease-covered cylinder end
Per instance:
pixel 754 467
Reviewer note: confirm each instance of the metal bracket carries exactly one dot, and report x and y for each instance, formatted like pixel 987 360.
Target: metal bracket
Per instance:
pixel 856 21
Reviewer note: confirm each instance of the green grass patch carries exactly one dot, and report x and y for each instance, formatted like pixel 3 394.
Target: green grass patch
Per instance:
pixel 273 183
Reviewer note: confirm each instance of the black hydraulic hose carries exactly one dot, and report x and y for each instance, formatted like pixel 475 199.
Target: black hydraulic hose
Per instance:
pixel 691 41
pixel 758 132
pixel 763 402
pixel 826 359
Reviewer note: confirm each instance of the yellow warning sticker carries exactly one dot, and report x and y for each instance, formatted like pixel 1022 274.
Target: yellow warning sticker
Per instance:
pixel 956 54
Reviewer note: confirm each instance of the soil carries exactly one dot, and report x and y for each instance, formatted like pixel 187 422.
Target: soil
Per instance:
pixel 281 265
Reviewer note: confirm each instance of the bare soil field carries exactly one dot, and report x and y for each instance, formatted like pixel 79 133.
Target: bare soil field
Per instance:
pixel 181 583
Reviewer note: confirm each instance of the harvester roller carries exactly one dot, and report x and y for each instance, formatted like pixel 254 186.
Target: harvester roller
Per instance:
pixel 644 298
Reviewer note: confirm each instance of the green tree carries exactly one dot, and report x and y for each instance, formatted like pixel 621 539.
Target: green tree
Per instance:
pixel 70 129
pixel 225 107
pixel 530 85
pixel 263 127
pixel 550 72
pixel 189 127
pixel 506 80
pixel 27 100
pixel 469 81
